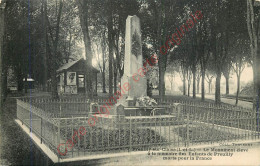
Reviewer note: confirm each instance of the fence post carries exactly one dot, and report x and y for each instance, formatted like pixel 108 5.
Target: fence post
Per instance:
pixel 257 123
pixel 58 136
pixel 60 106
pixel 29 107
pixel 130 138
pixel 72 130
pixel 213 110
pixel 188 132
pixel 17 108
pixel 41 130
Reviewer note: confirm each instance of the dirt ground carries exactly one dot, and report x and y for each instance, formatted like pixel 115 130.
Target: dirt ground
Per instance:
pixel 16 148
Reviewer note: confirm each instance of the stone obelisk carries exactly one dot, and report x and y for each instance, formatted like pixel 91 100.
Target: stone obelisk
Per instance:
pixel 133 62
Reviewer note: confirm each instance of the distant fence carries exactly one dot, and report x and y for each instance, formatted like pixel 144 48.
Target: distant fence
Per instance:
pixel 191 101
pixel 66 107
pixel 190 123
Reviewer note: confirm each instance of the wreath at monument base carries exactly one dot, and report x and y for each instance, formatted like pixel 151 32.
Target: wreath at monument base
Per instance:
pixel 146 101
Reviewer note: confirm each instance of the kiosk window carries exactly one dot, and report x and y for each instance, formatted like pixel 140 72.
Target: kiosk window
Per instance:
pixel 81 81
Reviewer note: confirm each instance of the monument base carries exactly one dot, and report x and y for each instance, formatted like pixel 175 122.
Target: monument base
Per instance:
pixel 137 88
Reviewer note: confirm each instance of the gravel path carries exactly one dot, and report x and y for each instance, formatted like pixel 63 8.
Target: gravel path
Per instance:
pixel 241 103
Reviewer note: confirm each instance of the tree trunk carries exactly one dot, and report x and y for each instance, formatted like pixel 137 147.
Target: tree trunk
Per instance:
pixel 252 24
pixel 238 87
pixel 161 78
pixel 4 81
pixel 162 67
pixel 104 62
pixel 217 92
pixel 189 89
pixel 194 84
pixel 104 75
pixel 54 90
pixel 162 58
pixel 209 87
pixel 54 56
pixel 19 78
pixel 115 76
pixel 1 53
pixel 227 85
pixel 256 73
pixel 44 44
pixel 184 84
pixel 25 83
pixel 189 81
pixel 198 84
pixel 202 85
pixel 110 47
pixel 83 15
pixel 188 86
pixel 257 84
pixel 44 83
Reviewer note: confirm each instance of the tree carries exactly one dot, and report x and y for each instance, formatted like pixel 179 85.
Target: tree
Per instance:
pixel 99 34
pixel 171 69
pixel 44 44
pixel 239 60
pixel 189 76
pixel 104 63
pixel 204 58
pixel 209 79
pixel 203 53
pixel 227 65
pixel 198 76
pixel 183 77
pixel 120 14
pixel 171 76
pixel 219 41
pixel 159 18
pixel 84 17
pixel 2 23
pixel 54 49
pixel 70 33
pixel 253 18
pixel 238 66
pixel 16 41
pixel 194 61
pixel 183 63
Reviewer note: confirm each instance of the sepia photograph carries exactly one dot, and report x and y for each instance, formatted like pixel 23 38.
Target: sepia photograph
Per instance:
pixel 129 82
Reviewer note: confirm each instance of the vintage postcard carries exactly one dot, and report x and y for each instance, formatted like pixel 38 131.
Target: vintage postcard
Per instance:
pixel 129 82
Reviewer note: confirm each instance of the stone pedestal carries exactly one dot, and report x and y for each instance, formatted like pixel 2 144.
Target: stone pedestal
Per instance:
pixel 138 88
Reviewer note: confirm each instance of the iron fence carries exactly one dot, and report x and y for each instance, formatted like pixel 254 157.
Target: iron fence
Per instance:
pixel 186 125
pixel 42 124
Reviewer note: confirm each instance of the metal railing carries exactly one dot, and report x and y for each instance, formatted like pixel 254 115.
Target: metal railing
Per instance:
pixel 42 124
pixel 188 124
